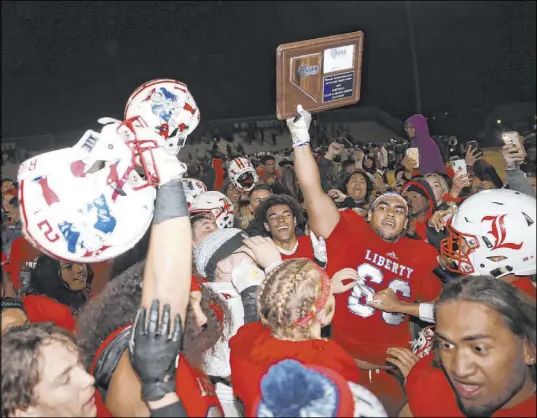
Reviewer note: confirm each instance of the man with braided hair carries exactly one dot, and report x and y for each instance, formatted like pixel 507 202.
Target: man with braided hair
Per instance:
pixel 384 260
pixel 295 301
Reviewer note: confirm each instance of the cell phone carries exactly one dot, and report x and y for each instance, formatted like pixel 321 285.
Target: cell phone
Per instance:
pixel 457 165
pixel 511 138
pixel 472 144
pixel 475 147
pixel 414 153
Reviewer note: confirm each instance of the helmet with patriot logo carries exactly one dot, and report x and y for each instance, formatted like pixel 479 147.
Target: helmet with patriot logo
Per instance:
pixel 88 203
pixel 492 233
pixel 168 107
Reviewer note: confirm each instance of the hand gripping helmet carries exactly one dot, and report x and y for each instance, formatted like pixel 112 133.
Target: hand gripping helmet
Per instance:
pixel 492 233
pixel 87 203
pixel 216 203
pixel 167 107
pixel 193 188
pixel 242 174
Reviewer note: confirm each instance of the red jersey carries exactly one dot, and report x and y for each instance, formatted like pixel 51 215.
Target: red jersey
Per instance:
pixel 526 285
pixel 22 258
pixel 196 391
pixel 41 308
pixel 430 394
pixel 254 350
pixel 194 388
pixel 303 250
pixel 406 266
pixel 102 410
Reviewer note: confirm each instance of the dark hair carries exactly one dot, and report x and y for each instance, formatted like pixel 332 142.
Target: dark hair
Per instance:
pixel 267 158
pixel 196 342
pixel 261 186
pixel 46 279
pixel 113 308
pixel 279 199
pixel 369 184
pixel 117 305
pixel 517 309
pixel 20 361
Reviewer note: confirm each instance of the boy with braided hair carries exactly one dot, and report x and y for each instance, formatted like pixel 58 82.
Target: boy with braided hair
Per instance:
pixel 295 301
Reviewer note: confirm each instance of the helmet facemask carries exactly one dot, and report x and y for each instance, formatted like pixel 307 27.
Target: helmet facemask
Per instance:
pixel 246 181
pixel 456 250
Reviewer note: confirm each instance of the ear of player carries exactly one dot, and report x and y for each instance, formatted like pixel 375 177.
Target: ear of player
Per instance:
pixel 94 201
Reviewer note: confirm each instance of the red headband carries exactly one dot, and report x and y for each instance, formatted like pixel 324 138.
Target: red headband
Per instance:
pixel 320 303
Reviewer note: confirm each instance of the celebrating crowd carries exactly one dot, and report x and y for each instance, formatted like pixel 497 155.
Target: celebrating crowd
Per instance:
pixel 347 280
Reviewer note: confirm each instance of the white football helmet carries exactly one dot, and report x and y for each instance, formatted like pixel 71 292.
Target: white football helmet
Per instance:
pixel 216 203
pixel 193 188
pixel 242 174
pixel 423 344
pixel 87 203
pixel 167 107
pixel 492 233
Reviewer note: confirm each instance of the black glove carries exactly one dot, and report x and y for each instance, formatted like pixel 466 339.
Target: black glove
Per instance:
pixel 154 352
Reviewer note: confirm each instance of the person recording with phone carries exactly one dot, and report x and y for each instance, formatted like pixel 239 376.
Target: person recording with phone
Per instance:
pixel 514 155
pixel 417 130
pixel 479 167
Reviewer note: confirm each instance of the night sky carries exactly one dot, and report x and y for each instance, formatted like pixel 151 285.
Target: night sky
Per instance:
pixel 65 64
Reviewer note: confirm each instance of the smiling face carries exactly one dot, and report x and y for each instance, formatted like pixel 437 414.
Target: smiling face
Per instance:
pixel 65 389
pixel 74 275
pixel 357 187
pixel 485 362
pixel 281 223
pixel 389 217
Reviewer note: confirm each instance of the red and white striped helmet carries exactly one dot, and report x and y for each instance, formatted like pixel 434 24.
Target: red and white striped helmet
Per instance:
pixel 167 107
pixel 216 203
pixel 242 174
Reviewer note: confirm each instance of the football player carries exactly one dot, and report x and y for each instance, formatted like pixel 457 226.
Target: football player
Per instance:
pixel 383 258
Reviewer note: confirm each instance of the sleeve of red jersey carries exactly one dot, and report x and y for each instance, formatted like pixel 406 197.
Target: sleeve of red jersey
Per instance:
pixel 350 223
pixel 194 285
pixel 429 286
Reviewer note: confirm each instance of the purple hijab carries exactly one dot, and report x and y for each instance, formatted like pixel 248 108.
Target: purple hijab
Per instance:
pixel 430 158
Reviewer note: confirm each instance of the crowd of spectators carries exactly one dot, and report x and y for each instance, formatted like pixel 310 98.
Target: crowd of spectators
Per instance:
pixel 330 281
